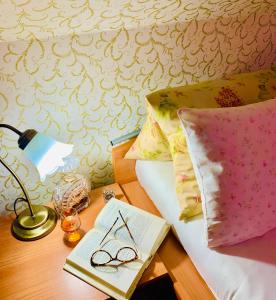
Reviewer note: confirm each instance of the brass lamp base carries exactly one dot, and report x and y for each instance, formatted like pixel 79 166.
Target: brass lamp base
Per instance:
pixel 28 228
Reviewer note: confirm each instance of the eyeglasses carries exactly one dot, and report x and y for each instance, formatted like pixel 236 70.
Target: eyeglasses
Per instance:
pixel 124 255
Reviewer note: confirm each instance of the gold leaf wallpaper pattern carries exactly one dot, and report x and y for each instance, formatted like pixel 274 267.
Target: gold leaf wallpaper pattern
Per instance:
pixel 79 70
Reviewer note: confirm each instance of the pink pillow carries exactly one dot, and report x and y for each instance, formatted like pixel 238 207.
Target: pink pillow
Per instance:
pixel 233 151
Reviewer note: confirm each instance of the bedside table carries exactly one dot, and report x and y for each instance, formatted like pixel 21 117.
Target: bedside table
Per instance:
pixel 187 282
pixel 33 270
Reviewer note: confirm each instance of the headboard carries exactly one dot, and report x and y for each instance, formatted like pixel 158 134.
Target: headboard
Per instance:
pixel 124 169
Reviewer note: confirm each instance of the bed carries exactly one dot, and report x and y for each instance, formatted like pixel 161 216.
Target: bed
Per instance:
pixel 243 271
pixel 209 150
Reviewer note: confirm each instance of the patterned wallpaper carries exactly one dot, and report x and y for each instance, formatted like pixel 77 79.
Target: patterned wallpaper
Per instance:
pixel 78 70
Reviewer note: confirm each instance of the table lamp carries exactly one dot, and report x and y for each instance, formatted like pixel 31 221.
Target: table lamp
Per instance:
pixel 47 155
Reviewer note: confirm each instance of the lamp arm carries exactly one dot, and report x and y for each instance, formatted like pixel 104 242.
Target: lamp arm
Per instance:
pixel 11 128
pixel 27 199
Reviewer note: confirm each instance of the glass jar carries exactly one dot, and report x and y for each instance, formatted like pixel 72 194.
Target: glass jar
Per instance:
pixel 72 191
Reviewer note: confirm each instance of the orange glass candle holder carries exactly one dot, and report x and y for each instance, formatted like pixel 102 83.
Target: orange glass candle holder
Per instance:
pixel 70 224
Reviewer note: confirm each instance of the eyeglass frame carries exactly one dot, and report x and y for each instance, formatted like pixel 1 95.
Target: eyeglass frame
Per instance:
pixel 115 258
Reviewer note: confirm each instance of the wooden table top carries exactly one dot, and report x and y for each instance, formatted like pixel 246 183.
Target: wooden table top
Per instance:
pixel 33 270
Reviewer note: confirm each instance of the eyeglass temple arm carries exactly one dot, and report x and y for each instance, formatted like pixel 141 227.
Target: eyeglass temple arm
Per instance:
pixel 27 199
pixel 109 230
pixel 127 227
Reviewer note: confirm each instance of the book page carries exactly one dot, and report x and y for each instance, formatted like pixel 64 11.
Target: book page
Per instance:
pixel 144 227
pixel 117 278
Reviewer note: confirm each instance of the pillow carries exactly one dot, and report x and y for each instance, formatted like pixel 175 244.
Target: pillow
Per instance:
pixel 235 91
pixel 216 93
pixel 162 107
pixel 151 143
pixel 233 151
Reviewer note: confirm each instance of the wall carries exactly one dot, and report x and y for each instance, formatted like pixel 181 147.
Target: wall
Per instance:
pixel 79 71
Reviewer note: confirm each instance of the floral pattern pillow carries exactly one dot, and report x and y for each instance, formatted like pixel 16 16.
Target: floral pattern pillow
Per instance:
pixel 162 105
pixel 157 145
pixel 233 151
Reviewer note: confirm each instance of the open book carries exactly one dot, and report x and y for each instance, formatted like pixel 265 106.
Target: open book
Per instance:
pixel 120 231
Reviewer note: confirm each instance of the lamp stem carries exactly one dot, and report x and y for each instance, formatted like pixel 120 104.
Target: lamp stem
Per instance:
pixel 20 184
pixel 11 128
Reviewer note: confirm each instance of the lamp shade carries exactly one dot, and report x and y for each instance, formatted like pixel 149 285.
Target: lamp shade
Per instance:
pixel 46 154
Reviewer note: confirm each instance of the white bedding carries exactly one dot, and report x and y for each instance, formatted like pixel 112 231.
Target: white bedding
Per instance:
pixel 242 272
